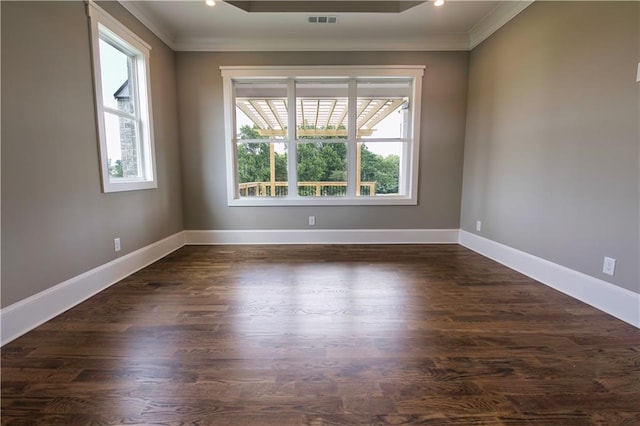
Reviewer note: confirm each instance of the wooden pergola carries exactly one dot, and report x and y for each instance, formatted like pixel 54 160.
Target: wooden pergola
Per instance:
pixel 316 117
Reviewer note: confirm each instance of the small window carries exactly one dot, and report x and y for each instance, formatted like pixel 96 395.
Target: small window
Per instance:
pixel 123 104
pixel 322 136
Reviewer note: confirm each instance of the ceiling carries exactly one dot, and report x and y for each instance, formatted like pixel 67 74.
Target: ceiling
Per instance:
pixel 190 25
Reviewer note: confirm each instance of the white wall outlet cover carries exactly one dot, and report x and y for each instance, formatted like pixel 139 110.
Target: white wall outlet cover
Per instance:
pixel 312 220
pixel 638 73
pixel 116 244
pixel 478 226
pixel 609 266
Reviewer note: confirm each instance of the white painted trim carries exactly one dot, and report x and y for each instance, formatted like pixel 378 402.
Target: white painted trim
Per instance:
pixel 616 301
pixel 102 16
pixel 412 169
pixel 230 74
pixel 103 25
pixel 334 71
pixel 231 148
pixel 499 16
pixel 323 236
pixel 160 30
pixel 29 313
pixel 439 42
pixel 378 200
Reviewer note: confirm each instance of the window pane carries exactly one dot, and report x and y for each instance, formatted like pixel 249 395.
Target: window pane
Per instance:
pixel 322 169
pixel 123 150
pixel 115 71
pixel 321 110
pixel 382 108
pixel 380 168
pixel 261 110
pixel 262 169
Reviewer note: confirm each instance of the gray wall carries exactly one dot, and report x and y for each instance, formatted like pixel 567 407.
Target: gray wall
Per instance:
pixel 550 165
pixel 56 223
pixel 551 156
pixel 200 109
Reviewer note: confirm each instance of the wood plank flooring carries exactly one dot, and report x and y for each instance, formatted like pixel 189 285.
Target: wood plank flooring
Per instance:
pixel 325 335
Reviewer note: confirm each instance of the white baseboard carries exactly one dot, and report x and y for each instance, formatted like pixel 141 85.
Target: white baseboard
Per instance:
pixel 616 301
pixel 27 314
pixel 325 236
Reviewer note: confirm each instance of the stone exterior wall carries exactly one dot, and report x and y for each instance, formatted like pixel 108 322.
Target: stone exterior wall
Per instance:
pixel 128 145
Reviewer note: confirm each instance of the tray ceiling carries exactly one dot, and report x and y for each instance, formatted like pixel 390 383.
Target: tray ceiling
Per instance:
pixel 361 25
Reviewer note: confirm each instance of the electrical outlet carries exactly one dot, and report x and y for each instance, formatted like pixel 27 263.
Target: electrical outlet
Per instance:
pixel 609 266
pixel 312 221
pixel 116 244
pixel 478 226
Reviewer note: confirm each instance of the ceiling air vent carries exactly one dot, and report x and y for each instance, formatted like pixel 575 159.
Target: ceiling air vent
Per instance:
pixel 323 19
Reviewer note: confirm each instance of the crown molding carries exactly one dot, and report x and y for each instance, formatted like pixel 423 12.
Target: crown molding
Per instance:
pixel 434 43
pixel 499 16
pixel 159 29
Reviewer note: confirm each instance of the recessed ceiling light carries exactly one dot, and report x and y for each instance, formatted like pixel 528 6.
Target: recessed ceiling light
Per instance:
pixel 210 3
pixel 438 3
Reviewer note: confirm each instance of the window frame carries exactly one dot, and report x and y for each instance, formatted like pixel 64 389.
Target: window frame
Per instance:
pixel 104 26
pixel 352 74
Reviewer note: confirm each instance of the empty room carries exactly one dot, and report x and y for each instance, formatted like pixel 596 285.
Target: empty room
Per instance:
pixel 320 212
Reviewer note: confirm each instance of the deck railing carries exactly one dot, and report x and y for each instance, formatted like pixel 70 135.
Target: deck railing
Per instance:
pixel 305 189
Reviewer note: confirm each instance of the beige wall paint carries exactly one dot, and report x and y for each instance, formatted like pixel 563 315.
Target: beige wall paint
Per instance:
pixel 56 223
pixel 200 109
pixel 552 149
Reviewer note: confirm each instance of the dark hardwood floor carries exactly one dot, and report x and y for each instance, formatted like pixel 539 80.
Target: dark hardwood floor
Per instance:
pixel 325 335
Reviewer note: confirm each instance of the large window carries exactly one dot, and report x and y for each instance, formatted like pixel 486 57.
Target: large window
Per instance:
pixel 123 105
pixel 314 136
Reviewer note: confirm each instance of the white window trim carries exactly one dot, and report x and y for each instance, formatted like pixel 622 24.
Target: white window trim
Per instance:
pixel 233 73
pixel 101 21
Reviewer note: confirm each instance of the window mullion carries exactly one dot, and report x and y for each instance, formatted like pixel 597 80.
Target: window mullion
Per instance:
pixel 352 147
pixel 292 172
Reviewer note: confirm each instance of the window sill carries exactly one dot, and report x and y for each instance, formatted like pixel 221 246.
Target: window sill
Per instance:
pixel 129 185
pixel 323 201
